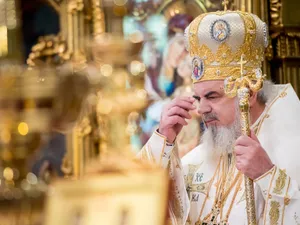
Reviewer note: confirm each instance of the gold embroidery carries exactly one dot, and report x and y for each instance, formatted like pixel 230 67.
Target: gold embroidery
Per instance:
pixel 268 109
pixel 146 155
pixel 280 182
pixel 287 200
pixel 243 198
pixel 162 152
pixel 202 188
pixel 225 56
pixel 220 13
pixel 193 32
pixel 188 221
pixel 143 154
pixel 274 213
pixel 150 154
pixel 270 196
pixel 269 189
pixel 267 173
pixel 190 175
pixel 176 204
pixel 206 54
pixel 177 208
pixel 283 94
pixel 222 72
pixel 208 190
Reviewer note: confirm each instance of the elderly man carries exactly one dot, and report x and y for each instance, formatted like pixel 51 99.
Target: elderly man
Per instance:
pixel 208 184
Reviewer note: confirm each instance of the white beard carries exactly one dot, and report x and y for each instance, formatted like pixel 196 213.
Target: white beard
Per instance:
pixel 221 139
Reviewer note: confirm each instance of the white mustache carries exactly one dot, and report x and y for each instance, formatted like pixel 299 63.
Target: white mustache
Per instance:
pixel 209 116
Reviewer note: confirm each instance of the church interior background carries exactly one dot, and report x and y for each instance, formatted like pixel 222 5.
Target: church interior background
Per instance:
pixel 82 86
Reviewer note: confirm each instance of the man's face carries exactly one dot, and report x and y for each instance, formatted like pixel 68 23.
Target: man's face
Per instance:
pixel 214 106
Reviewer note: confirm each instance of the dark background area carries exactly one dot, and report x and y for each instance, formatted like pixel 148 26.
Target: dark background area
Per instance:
pixel 40 19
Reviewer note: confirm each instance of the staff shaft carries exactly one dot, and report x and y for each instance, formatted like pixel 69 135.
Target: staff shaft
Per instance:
pixel 244 95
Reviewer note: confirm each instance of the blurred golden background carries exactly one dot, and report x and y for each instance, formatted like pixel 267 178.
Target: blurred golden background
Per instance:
pixel 82 86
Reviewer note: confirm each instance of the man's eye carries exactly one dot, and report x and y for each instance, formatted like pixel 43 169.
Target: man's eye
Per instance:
pixel 212 97
pixel 197 98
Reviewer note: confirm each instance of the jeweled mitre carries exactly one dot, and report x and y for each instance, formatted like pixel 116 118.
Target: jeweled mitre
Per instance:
pixel 217 41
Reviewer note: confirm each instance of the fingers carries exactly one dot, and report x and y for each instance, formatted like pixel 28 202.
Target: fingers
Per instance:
pixel 185 98
pixel 179 111
pixel 241 165
pixel 176 120
pixel 242 160
pixel 183 102
pixel 176 113
pixel 240 150
pixel 244 141
pixel 253 136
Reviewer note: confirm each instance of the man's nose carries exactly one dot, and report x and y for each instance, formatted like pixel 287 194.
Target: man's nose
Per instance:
pixel 203 107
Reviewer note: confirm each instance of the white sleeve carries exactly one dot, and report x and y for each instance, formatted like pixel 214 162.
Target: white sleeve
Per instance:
pixel 282 197
pixel 157 151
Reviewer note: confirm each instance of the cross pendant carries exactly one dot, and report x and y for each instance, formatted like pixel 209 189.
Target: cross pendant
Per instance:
pixel 241 63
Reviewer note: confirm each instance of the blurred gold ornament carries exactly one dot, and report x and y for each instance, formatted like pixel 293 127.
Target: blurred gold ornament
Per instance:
pixel 81 21
pixel 30 106
pixel 138 189
pixel 50 50
pixel 170 8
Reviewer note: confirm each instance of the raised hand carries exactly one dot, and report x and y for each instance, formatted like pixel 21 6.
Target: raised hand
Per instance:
pixel 173 117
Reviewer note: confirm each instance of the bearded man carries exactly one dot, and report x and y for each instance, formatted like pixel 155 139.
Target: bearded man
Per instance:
pixel 208 184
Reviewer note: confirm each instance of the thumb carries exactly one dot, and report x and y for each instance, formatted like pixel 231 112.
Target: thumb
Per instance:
pixel 253 136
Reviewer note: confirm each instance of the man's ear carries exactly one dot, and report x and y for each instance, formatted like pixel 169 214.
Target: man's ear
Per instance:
pixel 253 98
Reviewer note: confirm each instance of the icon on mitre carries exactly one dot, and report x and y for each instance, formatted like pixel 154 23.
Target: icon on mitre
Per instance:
pixel 220 30
pixel 198 68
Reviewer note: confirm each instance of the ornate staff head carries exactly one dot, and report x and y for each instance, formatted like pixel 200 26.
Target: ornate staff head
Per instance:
pixel 227 45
